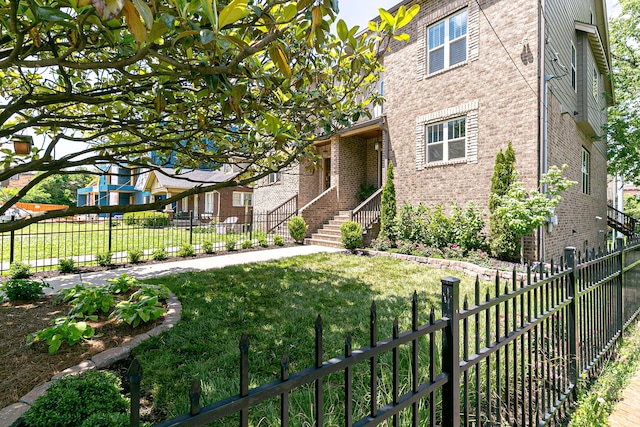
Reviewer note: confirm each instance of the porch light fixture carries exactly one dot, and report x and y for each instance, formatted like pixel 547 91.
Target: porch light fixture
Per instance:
pixel 376 146
pixel 22 143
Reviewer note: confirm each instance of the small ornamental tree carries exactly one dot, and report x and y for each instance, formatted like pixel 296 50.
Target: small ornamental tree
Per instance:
pixel 523 211
pixel 504 244
pixel 388 209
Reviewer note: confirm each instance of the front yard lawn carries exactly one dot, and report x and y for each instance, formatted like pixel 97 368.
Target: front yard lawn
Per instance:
pixel 276 304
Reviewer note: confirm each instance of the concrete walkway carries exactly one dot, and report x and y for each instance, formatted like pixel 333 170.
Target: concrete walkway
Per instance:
pixel 196 264
pixel 627 411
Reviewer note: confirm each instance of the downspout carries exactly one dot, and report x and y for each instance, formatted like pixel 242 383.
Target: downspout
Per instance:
pixel 542 123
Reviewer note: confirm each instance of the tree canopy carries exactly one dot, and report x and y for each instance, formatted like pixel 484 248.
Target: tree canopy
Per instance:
pixel 201 82
pixel 624 118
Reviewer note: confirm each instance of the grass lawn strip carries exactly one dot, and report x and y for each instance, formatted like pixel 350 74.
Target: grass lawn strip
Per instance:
pixel 276 304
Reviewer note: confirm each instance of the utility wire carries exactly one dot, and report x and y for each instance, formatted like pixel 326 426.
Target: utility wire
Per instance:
pixel 505 49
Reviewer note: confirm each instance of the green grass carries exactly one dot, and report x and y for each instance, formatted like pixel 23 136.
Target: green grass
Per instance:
pixel 596 404
pixel 276 304
pixel 64 240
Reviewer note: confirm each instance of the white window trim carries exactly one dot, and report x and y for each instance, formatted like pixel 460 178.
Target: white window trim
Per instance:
pixel 243 197
pixel 439 13
pixel 595 83
pixel 446 46
pixel 470 110
pixel 274 178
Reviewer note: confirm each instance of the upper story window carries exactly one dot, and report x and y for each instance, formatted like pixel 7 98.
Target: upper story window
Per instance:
pixel 274 177
pixel 447 42
pixel 446 140
pixel 586 171
pixel 594 84
pixel 574 68
pixel 227 168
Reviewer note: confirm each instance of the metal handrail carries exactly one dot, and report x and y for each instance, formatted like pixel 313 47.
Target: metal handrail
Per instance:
pixel 283 209
pixel 368 212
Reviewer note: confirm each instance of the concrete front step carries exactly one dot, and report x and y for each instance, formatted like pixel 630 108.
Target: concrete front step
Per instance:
pixel 328 237
pixel 327 243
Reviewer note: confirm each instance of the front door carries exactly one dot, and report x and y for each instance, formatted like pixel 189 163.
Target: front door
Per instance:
pixel 327 174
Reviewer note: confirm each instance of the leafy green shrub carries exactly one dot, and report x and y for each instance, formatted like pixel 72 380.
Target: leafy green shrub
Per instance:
pixel 122 284
pixel 427 251
pixel 388 207
pixel 19 270
pixel 278 240
pixel 107 419
pixel 104 259
pixel 159 255
pixel 62 329
pixel 439 228
pixel 263 242
pixel 160 291
pixel 207 247
pixel 200 230
pixel 406 247
pixel 467 226
pixel 144 309
pixel 88 300
pixel 247 244
pixel 230 244
pixel 351 235
pixel 412 224
pixel 297 228
pixel 147 219
pixel 115 224
pixel 381 244
pixel 23 290
pixel 135 255
pixel 186 250
pixel 72 400
pixel 66 265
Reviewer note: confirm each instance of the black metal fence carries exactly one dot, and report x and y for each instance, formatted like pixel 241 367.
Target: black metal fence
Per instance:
pixel 43 244
pixel 514 357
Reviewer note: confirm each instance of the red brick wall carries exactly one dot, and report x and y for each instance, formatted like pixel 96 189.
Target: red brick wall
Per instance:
pixel 320 210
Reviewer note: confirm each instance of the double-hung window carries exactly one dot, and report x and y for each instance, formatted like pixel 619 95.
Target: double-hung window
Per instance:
pixel 447 42
pixel 447 140
pixel 242 199
pixel 274 177
pixel 209 200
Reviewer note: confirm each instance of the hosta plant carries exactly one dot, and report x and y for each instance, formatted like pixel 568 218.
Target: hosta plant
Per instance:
pixel 22 289
pixel 62 329
pixel 88 300
pixel 122 284
pixel 132 312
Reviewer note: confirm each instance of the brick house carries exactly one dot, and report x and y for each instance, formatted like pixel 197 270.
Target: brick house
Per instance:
pixel 474 76
pixel 211 206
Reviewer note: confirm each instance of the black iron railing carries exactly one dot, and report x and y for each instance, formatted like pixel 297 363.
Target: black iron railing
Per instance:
pixel 368 212
pixel 512 356
pixel 43 244
pixel 281 214
pixel 621 222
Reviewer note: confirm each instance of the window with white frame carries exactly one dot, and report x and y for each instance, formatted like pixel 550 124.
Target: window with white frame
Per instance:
pixel 446 141
pixel 574 68
pixel 227 168
pixel 595 84
pixel 447 42
pixel 274 177
pixel 242 199
pixel 209 202
pixel 586 171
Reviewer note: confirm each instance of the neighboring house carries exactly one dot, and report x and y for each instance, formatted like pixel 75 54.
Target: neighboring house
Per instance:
pixel 211 206
pixel 116 186
pixel 474 76
pixel 18 180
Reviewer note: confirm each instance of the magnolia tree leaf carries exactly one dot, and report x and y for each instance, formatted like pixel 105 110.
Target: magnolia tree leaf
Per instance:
pixel 233 12
pixel 108 9
pixel 134 23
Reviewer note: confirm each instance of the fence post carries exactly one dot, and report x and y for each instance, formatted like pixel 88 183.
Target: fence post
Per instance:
pixel 451 352
pixel 191 227
pixel 135 376
pixel 244 377
pixel 572 315
pixel 620 305
pixel 12 243
pixel 110 228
